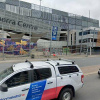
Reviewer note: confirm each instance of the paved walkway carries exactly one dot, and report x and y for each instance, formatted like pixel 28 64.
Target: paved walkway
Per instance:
pixel 88 70
pixel 43 57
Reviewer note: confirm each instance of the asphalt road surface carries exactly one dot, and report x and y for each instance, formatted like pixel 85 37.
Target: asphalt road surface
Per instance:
pixel 87 61
pixel 90 90
pixel 82 62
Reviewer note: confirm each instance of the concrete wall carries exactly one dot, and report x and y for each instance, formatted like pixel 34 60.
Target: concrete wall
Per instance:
pixel 54 44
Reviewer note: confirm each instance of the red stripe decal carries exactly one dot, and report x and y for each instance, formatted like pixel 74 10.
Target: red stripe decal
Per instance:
pixel 51 93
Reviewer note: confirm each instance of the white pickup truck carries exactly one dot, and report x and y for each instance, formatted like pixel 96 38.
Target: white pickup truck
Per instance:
pixel 41 80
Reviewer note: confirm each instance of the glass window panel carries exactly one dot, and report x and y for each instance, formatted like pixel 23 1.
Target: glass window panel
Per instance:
pixel 71 26
pixel 33 6
pixel 2 0
pixel 71 15
pixel 41 74
pixel 59 18
pixel 95 25
pixel 90 24
pixel 63 19
pixel 50 10
pixel 91 20
pixel 25 11
pixel 21 11
pixel 11 8
pixel 58 24
pixel 45 15
pixel 78 22
pixel 54 23
pixel 49 16
pixel 7 7
pixel 18 79
pixel 68 69
pixel 64 26
pixel 36 7
pixel 66 19
pixel 47 9
pixel 84 23
pixel 95 21
pixel 84 27
pixel 42 9
pixel 78 17
pixel 36 13
pixel 79 27
pixel 71 20
pixel 17 9
pixel 80 33
pixel 84 18
pixel 54 17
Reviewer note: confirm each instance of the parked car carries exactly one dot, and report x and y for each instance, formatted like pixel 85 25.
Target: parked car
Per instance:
pixel 41 80
pixel 99 72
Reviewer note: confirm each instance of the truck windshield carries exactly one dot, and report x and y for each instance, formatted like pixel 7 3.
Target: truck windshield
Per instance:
pixel 5 73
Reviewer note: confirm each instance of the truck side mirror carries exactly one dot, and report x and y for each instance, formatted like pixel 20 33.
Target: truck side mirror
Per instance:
pixel 4 88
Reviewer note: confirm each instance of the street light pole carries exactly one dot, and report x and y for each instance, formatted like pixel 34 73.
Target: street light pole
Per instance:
pixel 93 37
pixel 67 41
pixel 81 41
pixel 40 5
pixel 40 9
pixel 90 46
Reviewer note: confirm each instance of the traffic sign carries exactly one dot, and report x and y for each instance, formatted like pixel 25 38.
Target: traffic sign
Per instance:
pixel 54 32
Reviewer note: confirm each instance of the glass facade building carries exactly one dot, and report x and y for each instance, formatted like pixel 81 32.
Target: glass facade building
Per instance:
pixel 19 10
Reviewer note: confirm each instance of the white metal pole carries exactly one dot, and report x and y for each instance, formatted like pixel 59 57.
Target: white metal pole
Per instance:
pixel 93 37
pixel 90 46
pixel 30 38
pixel 87 44
pixel 3 42
pixel 67 40
pixel 81 42
pixel 3 35
pixel 51 40
pixel 40 5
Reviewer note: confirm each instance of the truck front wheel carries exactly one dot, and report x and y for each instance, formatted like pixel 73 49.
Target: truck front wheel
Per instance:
pixel 66 94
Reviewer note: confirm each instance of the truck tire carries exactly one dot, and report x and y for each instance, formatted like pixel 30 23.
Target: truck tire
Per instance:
pixel 66 94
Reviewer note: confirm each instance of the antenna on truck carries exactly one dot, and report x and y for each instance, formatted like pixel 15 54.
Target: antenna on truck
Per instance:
pixel 31 65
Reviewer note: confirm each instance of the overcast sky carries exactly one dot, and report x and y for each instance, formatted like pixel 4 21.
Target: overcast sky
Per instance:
pixel 79 7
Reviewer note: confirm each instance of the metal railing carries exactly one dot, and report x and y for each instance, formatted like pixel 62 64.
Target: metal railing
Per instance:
pixel 42 49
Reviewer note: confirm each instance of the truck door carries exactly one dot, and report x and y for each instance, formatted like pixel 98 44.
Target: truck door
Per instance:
pixel 18 86
pixel 44 83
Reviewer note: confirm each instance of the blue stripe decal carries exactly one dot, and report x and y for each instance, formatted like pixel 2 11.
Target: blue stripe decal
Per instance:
pixel 36 90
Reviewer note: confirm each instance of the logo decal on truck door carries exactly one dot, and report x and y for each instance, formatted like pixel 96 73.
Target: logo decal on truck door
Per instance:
pixel 12 97
pixel 36 90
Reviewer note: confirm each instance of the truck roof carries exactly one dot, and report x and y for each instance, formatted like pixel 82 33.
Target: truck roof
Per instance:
pixel 40 64
pixel 60 62
pixel 25 65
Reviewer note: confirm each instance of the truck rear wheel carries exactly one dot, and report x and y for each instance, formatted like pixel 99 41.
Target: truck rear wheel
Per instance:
pixel 66 94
